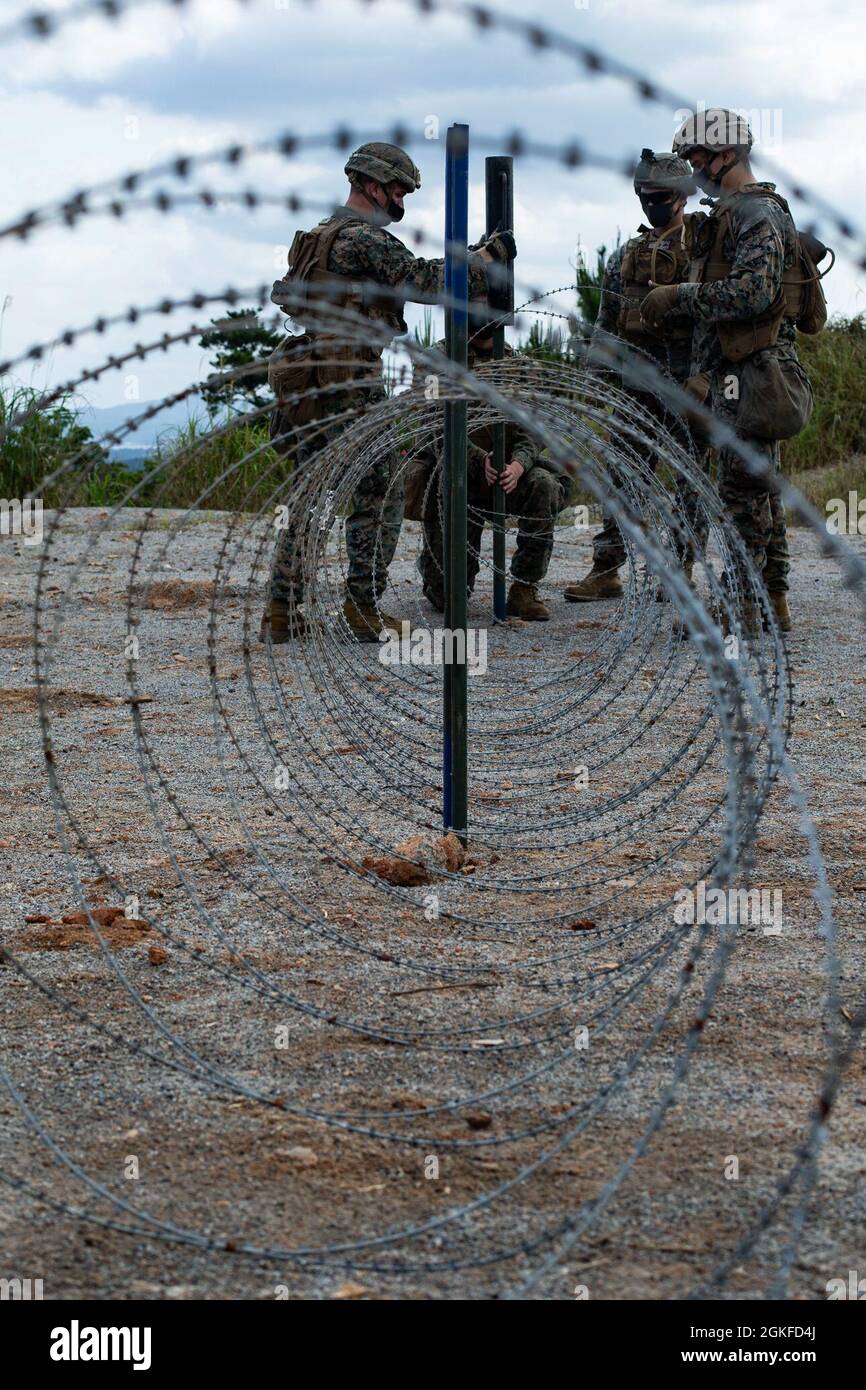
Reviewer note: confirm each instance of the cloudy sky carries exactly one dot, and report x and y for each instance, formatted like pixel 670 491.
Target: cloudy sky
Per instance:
pixel 101 99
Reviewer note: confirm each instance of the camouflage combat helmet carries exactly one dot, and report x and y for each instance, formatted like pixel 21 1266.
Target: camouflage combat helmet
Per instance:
pixel 384 163
pixel 663 171
pixel 713 130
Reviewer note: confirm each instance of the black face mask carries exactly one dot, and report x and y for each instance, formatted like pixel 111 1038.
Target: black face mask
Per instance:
pixel 658 208
pixel 381 216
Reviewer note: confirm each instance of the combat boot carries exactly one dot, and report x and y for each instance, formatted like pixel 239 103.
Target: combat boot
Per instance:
pixel 367 621
pixel 435 598
pixel 746 624
pixel 599 583
pixel 782 611
pixel 281 621
pixel 661 596
pixel 750 617
pixel 523 602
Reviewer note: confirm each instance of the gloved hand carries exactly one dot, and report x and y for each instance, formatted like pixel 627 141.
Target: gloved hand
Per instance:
pixel 502 246
pixel 658 303
pixel 698 386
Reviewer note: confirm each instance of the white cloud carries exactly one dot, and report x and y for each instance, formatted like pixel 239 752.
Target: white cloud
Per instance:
pixel 93 48
pixel 75 103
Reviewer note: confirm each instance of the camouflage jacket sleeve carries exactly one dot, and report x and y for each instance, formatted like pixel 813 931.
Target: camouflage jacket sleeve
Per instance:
pixel 365 252
pixel 518 442
pixel 758 227
pixel 608 311
pixel 518 445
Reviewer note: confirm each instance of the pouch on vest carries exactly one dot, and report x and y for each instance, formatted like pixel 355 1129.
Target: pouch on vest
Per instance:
pixel 644 262
pixel 775 398
pixel 339 361
pixel 291 366
pixel 292 377
pixel 740 338
pixel 307 269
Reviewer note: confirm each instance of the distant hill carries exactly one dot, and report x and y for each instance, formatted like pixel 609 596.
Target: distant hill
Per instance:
pixel 132 458
pixel 106 419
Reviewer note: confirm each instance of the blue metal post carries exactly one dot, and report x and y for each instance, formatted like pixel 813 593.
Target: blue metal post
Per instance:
pixel 455 751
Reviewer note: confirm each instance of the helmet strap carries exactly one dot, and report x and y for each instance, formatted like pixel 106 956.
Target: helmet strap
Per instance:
pixel 380 215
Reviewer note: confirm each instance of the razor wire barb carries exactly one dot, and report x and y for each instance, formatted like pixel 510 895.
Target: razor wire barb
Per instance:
pixel 593 62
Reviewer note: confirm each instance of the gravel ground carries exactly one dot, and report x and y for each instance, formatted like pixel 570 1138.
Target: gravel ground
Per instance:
pixel 185 1068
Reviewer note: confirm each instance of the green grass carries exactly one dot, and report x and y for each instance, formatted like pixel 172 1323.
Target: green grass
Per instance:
pixel 818 485
pixel 829 458
pixel 231 467
pixel 836 363
pixel 36 446
pixel 226 466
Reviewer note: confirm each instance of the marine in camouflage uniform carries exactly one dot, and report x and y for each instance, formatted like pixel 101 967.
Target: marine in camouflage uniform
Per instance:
pixel 739 257
pixel 538 496
pixel 656 255
pixel 313 408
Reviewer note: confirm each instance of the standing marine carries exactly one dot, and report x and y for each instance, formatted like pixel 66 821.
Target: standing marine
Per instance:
pixel 656 255
pixel 332 372
pixel 751 284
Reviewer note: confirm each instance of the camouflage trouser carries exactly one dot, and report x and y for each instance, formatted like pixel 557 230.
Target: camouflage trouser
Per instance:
pixel 608 546
pixel 536 500
pixel 372 528
pixel 752 504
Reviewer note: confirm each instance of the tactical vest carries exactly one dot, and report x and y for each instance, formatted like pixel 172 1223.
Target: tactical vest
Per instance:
pixel 308 263
pixel 322 356
pixel 800 299
pixel 645 259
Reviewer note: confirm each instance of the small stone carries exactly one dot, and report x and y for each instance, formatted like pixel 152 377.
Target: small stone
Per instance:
pixel 303 1156
pixel 478 1119
pixel 350 1290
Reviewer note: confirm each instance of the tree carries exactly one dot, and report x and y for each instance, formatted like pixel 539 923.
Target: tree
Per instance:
pixel 545 341
pixel 588 283
pixel 557 343
pixel 241 345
